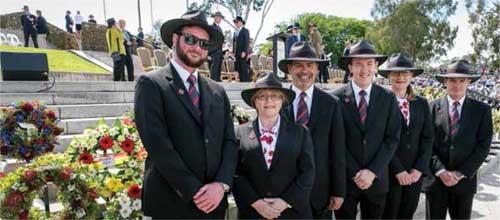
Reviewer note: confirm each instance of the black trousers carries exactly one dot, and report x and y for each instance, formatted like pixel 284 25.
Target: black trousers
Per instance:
pixel 33 35
pixel 215 65
pixel 119 69
pixel 129 63
pixel 371 205
pixel 323 73
pixel 439 201
pixel 242 68
pixel 402 201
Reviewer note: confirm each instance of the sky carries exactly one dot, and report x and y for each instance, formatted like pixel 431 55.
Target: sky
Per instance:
pixel 282 10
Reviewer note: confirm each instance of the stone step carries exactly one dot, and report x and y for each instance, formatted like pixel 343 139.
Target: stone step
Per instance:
pixel 77 126
pixel 91 110
pixel 69 98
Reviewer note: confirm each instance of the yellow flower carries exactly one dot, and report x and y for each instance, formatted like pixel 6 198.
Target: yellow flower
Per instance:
pixel 113 184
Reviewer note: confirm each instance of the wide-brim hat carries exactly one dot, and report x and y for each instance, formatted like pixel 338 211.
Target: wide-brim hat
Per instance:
pixel 300 51
pixel 297 26
pixel 266 81
pixel 399 62
pixel 458 69
pixel 239 18
pixel 362 49
pixel 190 18
pixel 111 21
pixel 218 14
pixel 289 28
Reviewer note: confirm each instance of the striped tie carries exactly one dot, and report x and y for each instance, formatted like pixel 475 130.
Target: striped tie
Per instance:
pixel 362 107
pixel 193 93
pixel 454 120
pixel 302 112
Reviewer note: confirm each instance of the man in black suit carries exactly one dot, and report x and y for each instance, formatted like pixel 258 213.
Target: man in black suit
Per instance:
pixel 129 61
pixel 69 22
pixel 185 124
pixel 345 53
pixel 216 56
pixel 240 48
pixel 29 22
pixel 293 38
pixel 463 132
pixel 372 124
pixel 321 113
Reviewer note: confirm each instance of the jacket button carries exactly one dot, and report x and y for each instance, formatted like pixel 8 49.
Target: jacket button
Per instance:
pixel 206 140
pixel 452 147
pixel 269 194
pixel 364 142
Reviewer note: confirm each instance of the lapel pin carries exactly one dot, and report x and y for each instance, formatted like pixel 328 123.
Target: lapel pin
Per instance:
pixel 180 91
pixel 346 100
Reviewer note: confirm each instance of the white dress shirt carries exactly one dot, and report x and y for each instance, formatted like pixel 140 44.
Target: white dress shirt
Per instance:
pixel 184 74
pixel 459 107
pixel 357 89
pixel 268 148
pixel 309 96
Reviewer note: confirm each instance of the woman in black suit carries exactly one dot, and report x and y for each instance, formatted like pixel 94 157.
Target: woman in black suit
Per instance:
pixel 275 170
pixel 412 157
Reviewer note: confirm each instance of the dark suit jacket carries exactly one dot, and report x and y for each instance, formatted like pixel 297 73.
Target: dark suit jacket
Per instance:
pixel 326 126
pixel 466 152
pixel 290 40
pixel 184 151
pixel 217 50
pixel 290 176
pixel 28 26
pixel 41 25
pixel 415 143
pixel 240 44
pixel 373 145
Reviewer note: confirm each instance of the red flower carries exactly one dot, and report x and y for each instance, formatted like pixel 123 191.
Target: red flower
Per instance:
pixel 50 148
pixel 29 175
pixel 65 174
pixel 49 178
pixel 57 130
pixel 13 199
pixel 127 121
pixel 106 142
pixel 23 215
pixel 50 114
pixel 92 193
pixel 2 175
pixel 27 107
pixel 127 145
pixel 4 150
pixel 134 191
pixel 86 158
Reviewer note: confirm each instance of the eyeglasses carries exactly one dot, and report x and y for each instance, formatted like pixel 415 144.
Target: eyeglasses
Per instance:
pixel 263 97
pixel 192 40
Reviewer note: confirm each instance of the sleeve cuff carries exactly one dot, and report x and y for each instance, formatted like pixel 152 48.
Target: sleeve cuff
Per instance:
pixel 439 172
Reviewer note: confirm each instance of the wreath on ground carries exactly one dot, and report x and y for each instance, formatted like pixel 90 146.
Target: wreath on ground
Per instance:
pixel 28 129
pixel 77 192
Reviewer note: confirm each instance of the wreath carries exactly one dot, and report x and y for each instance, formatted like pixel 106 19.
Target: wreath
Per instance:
pixel 126 204
pixel 28 129
pixel 77 192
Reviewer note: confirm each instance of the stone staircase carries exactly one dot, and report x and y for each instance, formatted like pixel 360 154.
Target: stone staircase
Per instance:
pixel 80 105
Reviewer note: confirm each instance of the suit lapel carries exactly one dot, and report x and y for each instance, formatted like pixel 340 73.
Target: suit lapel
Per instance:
pixel 206 99
pixel 464 116
pixel 413 113
pixel 315 114
pixel 181 92
pixel 374 105
pixel 282 137
pixel 352 106
pixel 444 115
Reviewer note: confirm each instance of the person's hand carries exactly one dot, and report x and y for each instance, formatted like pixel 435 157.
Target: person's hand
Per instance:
pixel 265 210
pixel 243 54
pixel 277 203
pixel 448 178
pixel 208 197
pixel 335 203
pixel 415 175
pixel 364 179
pixel 404 178
pixel 457 175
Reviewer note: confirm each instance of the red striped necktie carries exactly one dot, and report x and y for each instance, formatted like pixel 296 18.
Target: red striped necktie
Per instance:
pixel 302 111
pixel 193 93
pixel 362 106
pixel 454 119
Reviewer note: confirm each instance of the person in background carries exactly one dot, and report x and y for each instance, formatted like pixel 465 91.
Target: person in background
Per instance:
pixel 140 38
pixel 41 26
pixel 78 24
pixel 295 37
pixel 69 22
pixel 241 42
pixel 29 22
pixel 114 37
pixel 347 50
pixel 92 19
pixel 127 37
pixel 217 55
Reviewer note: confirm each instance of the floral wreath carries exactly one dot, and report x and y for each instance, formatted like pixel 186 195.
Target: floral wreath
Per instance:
pixel 28 129
pixel 77 191
pixel 240 114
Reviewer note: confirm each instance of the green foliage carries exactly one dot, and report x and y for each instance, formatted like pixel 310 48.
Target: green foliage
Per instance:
pixel 420 28
pixel 334 30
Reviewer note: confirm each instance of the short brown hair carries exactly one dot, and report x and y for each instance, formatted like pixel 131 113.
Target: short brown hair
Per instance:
pixel 281 94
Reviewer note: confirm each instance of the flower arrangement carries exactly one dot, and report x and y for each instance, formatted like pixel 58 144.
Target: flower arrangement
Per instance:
pixel 240 114
pixel 77 191
pixel 126 204
pixel 429 92
pixel 496 121
pixel 28 129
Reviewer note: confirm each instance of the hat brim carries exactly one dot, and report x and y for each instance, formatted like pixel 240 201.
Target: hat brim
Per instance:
pixel 222 16
pixel 385 71
pixel 344 61
pixel 283 64
pixel 473 77
pixel 171 26
pixel 247 94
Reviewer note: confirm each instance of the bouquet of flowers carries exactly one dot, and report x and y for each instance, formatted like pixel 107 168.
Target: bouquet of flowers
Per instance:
pixel 126 204
pixel 240 114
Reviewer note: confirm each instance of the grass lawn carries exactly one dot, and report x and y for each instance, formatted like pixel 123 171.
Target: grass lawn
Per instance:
pixel 60 60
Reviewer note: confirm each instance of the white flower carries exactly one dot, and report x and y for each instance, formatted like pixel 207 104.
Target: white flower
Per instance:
pixel 71 188
pixel 80 213
pixel 113 131
pixel 15 186
pixel 136 204
pixel 120 138
pixel 23 189
pixel 124 201
pixel 125 212
pixel 132 163
pixel 83 177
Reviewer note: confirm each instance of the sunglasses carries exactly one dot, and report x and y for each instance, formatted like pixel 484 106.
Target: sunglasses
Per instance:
pixel 192 40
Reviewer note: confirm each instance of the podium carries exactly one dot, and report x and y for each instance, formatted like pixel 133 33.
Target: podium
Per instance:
pixel 278 40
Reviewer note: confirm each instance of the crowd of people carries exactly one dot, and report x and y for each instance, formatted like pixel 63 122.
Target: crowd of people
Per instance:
pixel 309 153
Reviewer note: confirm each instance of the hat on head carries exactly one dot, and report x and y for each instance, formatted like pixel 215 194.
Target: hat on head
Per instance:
pixel 362 49
pixel 25 7
pixel 300 51
pixel 399 62
pixel 289 28
pixel 190 18
pixel 239 18
pixel 217 14
pixel 266 81
pixel 458 69
pixel 111 21
pixel 296 26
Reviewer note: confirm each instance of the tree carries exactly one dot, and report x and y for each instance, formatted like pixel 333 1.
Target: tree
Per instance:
pixel 334 30
pixel 484 17
pixel 420 28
